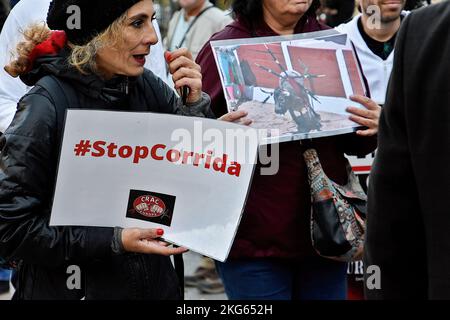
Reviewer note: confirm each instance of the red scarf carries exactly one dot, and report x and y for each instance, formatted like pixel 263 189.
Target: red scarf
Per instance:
pixel 51 46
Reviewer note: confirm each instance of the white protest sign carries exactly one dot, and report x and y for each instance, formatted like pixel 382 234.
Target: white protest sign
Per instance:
pixel 188 176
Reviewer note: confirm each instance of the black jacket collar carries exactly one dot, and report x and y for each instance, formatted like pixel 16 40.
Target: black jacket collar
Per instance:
pixel 91 84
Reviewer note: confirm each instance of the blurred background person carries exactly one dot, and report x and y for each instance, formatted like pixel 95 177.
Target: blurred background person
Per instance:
pixel 375 46
pixel 335 12
pixel 193 25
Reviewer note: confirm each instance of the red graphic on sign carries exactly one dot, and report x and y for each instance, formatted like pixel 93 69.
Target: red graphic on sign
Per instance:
pixel 149 206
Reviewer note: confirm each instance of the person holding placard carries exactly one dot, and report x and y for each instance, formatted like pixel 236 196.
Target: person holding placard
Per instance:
pixel 99 64
pixel 272 256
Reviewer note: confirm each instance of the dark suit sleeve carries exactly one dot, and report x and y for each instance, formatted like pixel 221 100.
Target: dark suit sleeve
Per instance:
pixel 27 178
pixel 394 238
pixel 354 145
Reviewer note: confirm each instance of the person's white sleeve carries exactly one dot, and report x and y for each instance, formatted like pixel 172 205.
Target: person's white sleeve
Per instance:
pixel 342 28
pixel 226 21
pixel 156 62
pixel 11 89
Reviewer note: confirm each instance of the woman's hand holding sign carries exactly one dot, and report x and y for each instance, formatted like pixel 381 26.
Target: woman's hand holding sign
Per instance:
pixel 147 241
pixel 237 117
pixel 368 117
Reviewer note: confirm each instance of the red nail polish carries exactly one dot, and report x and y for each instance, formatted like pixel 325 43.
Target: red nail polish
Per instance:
pixel 168 56
pixel 159 232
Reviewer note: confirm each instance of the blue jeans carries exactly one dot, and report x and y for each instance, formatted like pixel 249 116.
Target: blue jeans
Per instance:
pixel 277 279
pixel 5 274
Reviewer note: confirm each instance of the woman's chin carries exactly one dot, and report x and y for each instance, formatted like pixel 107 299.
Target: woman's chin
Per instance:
pixel 135 72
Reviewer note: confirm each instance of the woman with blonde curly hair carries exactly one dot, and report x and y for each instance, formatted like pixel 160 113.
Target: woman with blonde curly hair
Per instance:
pixel 99 65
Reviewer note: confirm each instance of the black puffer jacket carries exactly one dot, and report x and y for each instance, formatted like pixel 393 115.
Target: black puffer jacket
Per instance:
pixel 28 164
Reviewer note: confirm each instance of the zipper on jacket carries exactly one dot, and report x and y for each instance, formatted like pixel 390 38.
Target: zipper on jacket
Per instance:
pixel 125 86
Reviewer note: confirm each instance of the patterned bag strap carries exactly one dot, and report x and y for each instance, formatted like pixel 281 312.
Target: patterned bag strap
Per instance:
pixel 321 186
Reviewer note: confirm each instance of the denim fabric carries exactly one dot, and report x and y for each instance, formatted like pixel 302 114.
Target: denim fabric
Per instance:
pixel 277 279
pixel 5 274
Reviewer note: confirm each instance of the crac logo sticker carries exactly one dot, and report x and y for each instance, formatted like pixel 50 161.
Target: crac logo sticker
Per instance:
pixel 151 206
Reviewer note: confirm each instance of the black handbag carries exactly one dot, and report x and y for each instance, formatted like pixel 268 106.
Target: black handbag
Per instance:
pixel 338 212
